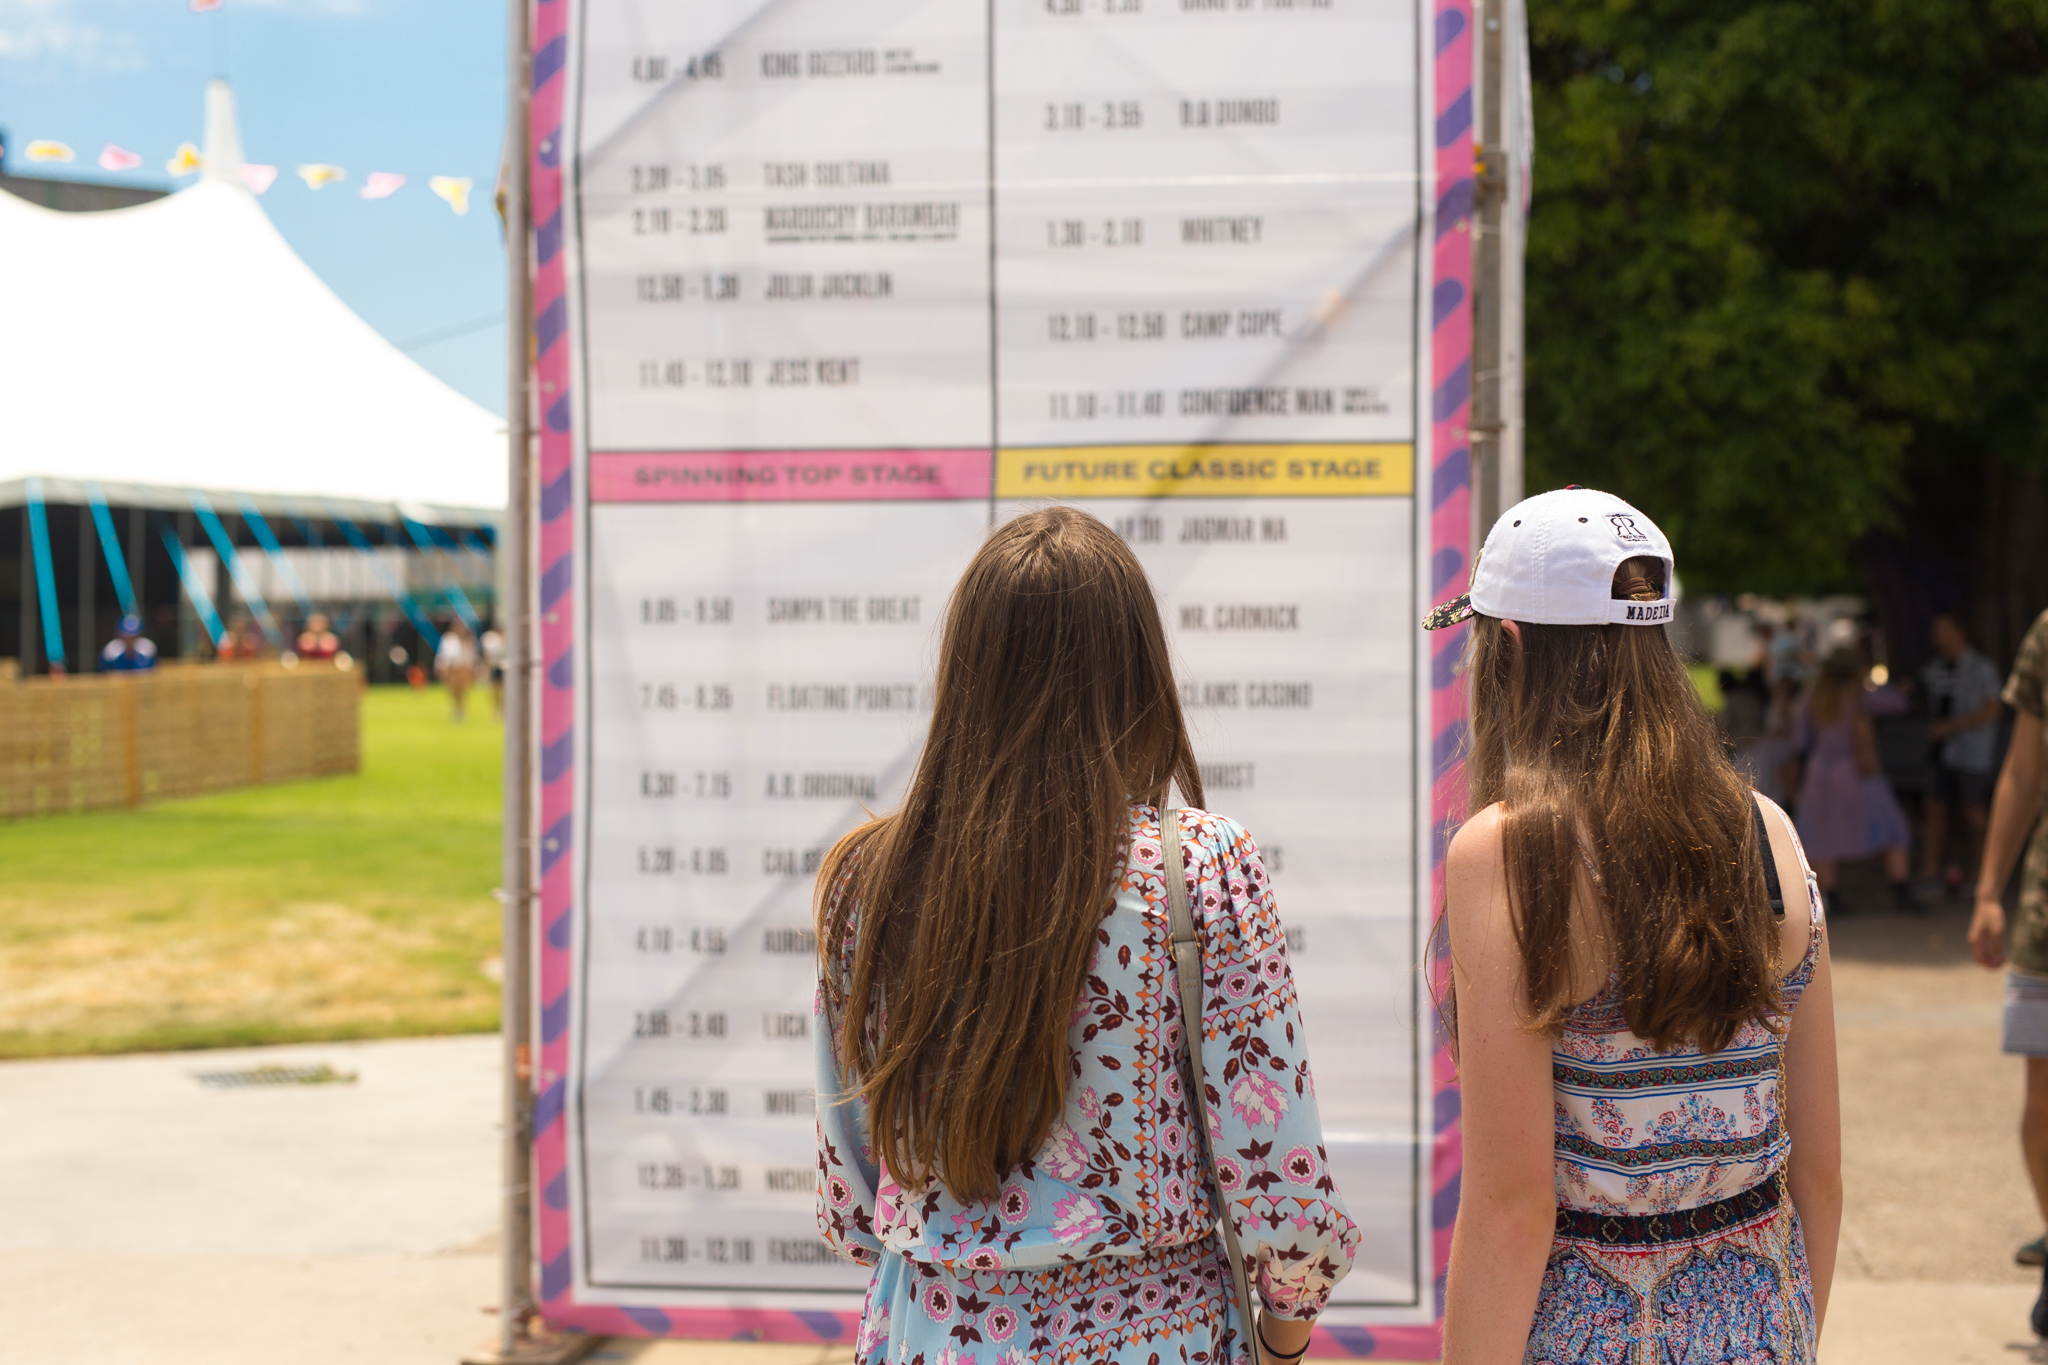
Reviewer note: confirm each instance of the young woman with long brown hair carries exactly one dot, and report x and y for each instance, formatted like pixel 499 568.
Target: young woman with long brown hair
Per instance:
pixel 1005 1129
pixel 1640 987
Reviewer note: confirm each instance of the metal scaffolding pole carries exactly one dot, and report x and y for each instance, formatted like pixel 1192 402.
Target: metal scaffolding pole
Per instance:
pixel 516 1304
pixel 1497 262
pixel 522 1340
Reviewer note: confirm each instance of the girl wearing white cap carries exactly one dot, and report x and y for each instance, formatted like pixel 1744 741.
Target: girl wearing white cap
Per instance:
pixel 1640 990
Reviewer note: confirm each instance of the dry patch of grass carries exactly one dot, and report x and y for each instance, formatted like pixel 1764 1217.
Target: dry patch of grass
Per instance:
pixel 340 908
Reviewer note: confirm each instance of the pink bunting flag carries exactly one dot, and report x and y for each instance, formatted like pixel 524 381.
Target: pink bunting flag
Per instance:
pixel 381 185
pixel 114 158
pixel 202 6
pixel 258 178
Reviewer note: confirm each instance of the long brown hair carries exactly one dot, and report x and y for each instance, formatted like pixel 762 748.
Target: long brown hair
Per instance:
pixel 1592 738
pixel 970 916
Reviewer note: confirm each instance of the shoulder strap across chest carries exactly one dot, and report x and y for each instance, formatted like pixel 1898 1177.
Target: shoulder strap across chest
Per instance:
pixel 1187 961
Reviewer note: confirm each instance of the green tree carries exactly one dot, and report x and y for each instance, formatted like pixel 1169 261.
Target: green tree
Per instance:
pixel 1786 266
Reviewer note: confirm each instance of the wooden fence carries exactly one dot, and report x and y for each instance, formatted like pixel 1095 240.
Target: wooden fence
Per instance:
pixel 72 744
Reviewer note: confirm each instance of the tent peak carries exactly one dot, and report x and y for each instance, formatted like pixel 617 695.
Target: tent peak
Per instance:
pixel 223 152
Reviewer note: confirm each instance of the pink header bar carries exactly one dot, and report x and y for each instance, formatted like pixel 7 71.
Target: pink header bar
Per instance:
pixel 791 475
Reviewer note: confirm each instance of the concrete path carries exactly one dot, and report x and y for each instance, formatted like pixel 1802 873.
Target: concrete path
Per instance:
pixel 1936 1197
pixel 148 1219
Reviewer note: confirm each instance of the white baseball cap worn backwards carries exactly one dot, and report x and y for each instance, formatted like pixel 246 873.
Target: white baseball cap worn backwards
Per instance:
pixel 1550 560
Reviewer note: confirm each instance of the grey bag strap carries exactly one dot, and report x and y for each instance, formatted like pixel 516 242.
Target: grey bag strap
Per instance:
pixel 1187 961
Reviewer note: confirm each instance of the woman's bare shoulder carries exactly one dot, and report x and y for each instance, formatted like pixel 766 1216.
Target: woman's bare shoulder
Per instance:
pixel 1477 844
pixel 1475 892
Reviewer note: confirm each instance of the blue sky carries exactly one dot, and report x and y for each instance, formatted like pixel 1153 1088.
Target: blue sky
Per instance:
pixel 414 86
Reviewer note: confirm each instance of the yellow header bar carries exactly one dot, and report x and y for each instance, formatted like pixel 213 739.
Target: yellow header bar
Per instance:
pixel 1385 469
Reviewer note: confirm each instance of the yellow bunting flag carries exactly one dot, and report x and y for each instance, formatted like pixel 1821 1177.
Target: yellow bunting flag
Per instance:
pixel 185 161
pixel 315 175
pixel 453 188
pixel 43 149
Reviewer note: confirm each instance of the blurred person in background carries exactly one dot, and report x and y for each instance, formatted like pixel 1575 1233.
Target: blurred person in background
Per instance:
pixel 492 645
pixel 1766 631
pixel 317 640
pixel 1846 807
pixel 1786 657
pixel 1745 699
pixel 1770 760
pixel 1763 745
pixel 241 640
pixel 2015 810
pixel 1962 689
pixel 129 651
pixel 455 665
pixel 1780 721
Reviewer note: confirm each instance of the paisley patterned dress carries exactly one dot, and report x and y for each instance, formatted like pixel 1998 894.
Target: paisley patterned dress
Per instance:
pixel 1103 1246
pixel 1676 1243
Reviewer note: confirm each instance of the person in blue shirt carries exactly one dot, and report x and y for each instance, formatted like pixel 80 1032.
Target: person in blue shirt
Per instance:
pixel 1963 708
pixel 130 651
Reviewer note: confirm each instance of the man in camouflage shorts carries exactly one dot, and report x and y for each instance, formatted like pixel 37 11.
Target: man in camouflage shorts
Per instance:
pixel 2015 808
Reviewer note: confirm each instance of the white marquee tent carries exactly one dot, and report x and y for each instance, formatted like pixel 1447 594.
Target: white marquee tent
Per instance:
pixel 174 373
pixel 182 344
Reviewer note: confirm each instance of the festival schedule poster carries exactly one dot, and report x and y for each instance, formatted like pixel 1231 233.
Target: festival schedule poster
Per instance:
pixel 844 286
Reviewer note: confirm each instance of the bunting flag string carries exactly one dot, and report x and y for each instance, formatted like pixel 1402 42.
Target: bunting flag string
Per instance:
pixel 187 160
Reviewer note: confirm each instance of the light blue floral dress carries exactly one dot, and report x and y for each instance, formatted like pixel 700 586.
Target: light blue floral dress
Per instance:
pixel 1676 1243
pixel 1103 1246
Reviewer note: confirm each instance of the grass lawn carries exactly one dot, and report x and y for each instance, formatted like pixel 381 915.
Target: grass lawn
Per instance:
pixel 1706 680
pixel 345 907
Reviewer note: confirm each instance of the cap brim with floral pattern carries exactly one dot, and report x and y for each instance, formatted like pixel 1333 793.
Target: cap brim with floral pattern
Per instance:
pixel 1458 609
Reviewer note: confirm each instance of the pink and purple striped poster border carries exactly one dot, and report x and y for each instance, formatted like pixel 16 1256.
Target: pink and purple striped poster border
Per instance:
pixel 1448 487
